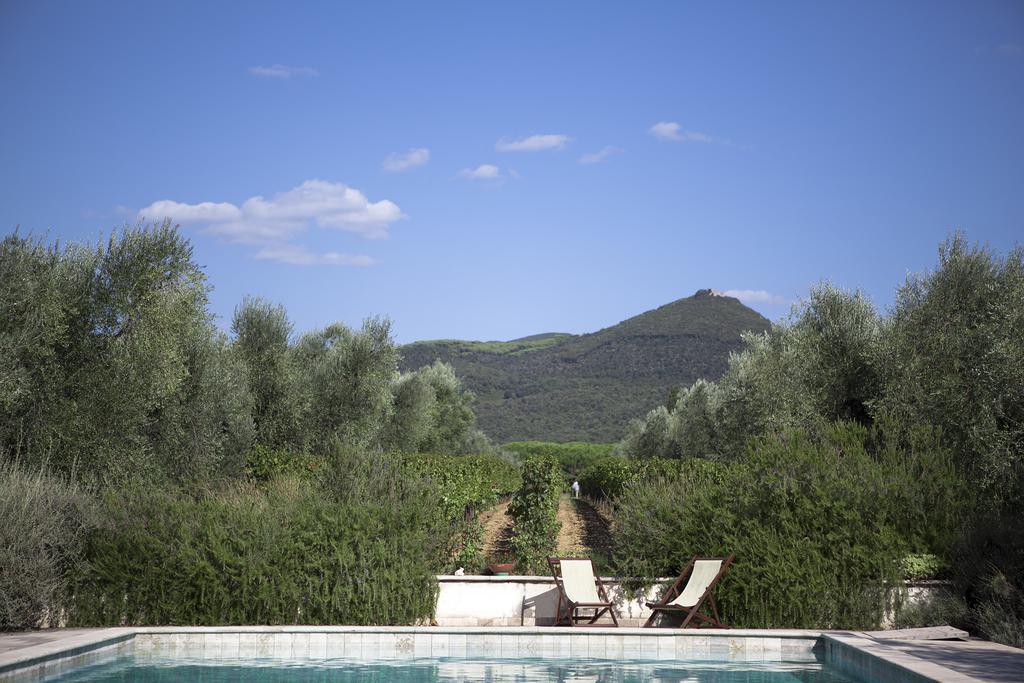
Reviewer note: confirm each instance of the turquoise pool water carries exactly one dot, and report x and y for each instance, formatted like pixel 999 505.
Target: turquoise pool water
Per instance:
pixel 151 670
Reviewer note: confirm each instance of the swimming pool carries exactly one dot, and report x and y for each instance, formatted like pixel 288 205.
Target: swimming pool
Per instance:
pixel 345 653
pixel 160 670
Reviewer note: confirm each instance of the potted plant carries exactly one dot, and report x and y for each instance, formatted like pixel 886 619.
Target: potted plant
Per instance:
pixel 502 565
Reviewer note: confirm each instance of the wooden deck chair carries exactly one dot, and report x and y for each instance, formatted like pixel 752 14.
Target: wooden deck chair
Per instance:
pixel 579 589
pixel 701 576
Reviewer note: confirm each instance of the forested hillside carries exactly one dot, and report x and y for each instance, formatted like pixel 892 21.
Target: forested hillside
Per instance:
pixel 563 387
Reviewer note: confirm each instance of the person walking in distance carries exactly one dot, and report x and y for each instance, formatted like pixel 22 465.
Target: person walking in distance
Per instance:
pixel 575 488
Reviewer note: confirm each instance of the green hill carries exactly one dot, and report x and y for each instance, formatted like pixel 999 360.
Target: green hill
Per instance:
pixel 565 387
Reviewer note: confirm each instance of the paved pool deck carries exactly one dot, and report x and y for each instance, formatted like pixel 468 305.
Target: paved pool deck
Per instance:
pixel 966 661
pixel 976 659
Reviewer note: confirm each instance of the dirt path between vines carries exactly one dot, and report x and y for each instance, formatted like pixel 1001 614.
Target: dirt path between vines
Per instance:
pixel 497 531
pixel 584 530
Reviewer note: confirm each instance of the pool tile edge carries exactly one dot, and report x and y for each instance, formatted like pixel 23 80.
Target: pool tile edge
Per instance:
pixel 866 658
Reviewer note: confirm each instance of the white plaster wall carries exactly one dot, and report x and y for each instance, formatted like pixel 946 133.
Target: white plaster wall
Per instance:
pixel 521 601
pixel 913 594
pixel 532 600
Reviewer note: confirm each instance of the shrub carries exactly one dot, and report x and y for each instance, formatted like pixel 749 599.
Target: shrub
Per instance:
pixel 461 485
pixel 942 609
pixel 45 518
pixel 534 510
pixel 573 456
pixel 816 521
pixel 1000 613
pixel 466 482
pixel 988 569
pixel 264 463
pixel 608 477
pixel 288 554
pixel 919 566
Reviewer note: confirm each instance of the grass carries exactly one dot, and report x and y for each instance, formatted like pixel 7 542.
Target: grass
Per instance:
pixel 514 347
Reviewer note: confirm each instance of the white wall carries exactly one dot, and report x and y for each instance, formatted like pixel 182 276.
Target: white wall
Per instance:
pixel 522 601
pixel 532 600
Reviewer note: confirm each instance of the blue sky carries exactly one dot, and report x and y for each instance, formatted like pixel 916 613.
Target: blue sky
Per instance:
pixel 429 161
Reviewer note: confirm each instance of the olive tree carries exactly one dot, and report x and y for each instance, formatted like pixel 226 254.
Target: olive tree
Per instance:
pixel 346 379
pixel 816 367
pixel 954 358
pixel 433 413
pixel 97 342
pixel 413 413
pixel 261 341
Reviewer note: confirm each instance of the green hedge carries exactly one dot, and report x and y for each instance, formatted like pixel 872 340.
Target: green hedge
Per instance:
pixel 286 555
pixel 573 456
pixel 534 510
pixel 819 524
pixel 357 539
pixel 608 477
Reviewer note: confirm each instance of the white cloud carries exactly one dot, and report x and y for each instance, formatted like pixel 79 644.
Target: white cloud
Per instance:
pixel 481 172
pixel 273 223
pixel 666 130
pixel 300 256
pixel 598 157
pixel 204 212
pixel 756 296
pixel 533 143
pixel 670 130
pixel 402 162
pixel 282 71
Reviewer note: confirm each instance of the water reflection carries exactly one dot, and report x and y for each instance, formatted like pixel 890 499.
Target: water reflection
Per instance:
pixel 127 668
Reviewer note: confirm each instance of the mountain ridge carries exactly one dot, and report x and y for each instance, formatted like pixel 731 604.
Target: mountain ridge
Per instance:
pixel 565 387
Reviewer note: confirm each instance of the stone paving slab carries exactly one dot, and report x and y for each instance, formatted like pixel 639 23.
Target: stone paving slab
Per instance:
pixel 49 651
pixel 979 659
pixel 943 661
pixel 12 642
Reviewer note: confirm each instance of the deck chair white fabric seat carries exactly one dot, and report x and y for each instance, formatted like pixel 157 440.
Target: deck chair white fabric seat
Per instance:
pixel 579 589
pixel 701 575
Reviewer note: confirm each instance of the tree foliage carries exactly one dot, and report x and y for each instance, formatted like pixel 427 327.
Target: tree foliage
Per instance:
pixel 111 360
pixel 948 360
pixel 110 366
pixel 817 366
pixel 433 413
pixel 954 357
pixel 262 333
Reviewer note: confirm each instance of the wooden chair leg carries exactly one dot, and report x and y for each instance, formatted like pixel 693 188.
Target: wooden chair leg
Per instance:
pixel 714 611
pixel 689 617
